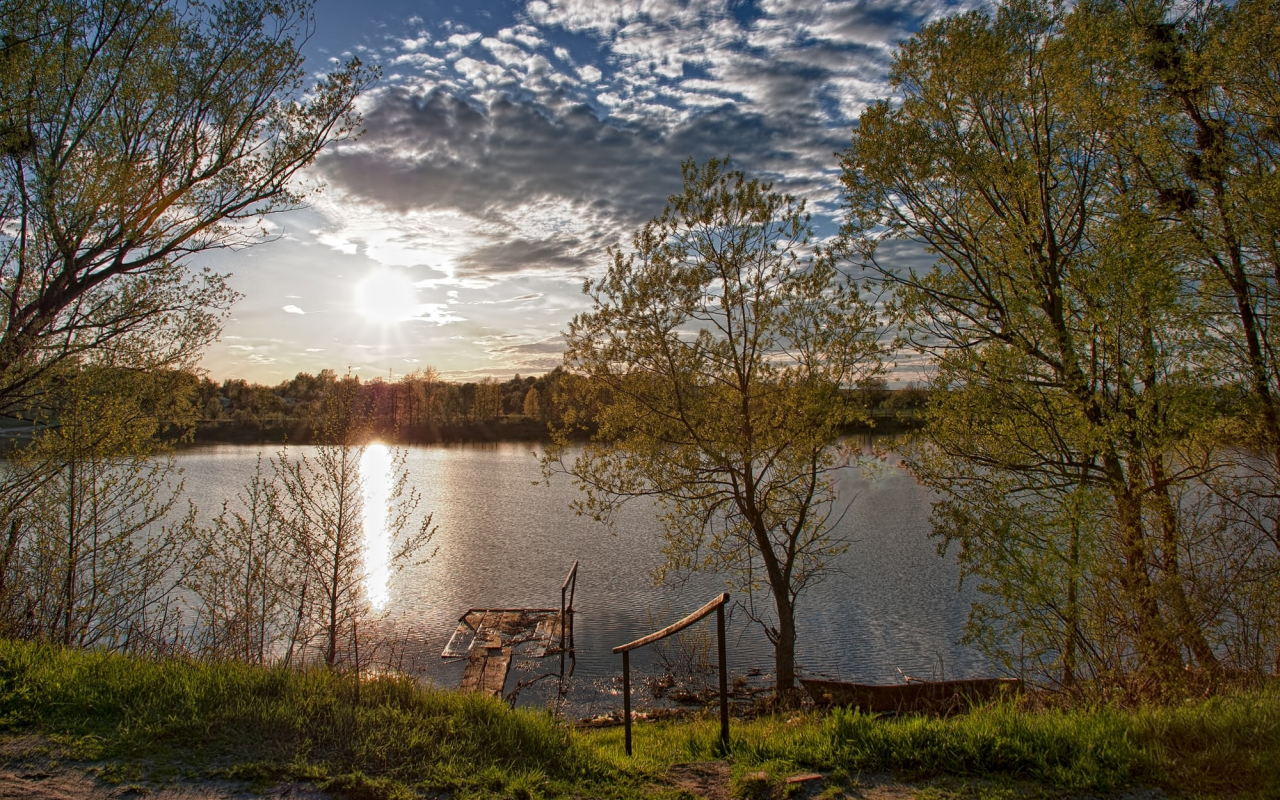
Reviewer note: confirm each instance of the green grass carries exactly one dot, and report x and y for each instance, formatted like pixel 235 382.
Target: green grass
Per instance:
pixel 149 720
pixel 262 725
pixel 1225 746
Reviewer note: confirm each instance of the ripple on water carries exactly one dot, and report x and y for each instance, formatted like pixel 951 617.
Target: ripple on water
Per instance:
pixel 506 539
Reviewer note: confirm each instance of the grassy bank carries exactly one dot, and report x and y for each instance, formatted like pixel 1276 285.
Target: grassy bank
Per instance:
pixel 393 739
pixel 180 718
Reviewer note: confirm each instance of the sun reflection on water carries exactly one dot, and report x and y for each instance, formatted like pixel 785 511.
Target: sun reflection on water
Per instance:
pixel 375 469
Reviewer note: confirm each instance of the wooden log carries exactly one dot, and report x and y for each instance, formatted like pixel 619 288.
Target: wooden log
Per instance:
pixel 933 697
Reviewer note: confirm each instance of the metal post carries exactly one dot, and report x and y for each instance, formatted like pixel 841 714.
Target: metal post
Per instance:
pixel 626 696
pixel 724 679
pixel 563 620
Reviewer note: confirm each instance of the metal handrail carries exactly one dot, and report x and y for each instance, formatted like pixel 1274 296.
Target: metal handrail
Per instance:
pixel 717 605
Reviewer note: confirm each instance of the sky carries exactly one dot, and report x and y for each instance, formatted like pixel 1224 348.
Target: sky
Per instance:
pixel 508 145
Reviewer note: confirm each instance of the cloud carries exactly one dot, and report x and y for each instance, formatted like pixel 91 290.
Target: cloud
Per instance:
pixel 537 356
pixel 523 256
pixel 533 296
pixel 508 147
pixel 437 313
pixel 461 40
pixel 438 151
pixel 555 345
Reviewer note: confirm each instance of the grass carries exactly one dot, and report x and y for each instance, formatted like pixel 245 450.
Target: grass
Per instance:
pixel 147 720
pixel 264 725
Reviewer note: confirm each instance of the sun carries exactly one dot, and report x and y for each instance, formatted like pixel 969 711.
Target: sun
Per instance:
pixel 386 296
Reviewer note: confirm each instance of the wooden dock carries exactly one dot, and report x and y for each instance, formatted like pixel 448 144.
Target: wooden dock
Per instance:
pixel 489 637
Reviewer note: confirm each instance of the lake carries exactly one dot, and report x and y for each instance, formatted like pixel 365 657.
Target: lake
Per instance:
pixel 506 539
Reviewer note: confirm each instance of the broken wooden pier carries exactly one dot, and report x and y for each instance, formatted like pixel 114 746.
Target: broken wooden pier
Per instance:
pixel 489 637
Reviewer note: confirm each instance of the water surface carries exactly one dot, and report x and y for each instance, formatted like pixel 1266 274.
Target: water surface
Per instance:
pixel 505 539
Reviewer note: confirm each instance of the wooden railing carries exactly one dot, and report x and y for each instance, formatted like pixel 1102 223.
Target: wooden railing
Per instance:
pixel 717 605
pixel 567 590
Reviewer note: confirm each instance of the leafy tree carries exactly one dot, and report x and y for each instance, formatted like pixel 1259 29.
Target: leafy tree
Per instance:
pixel 532 403
pixel 488 401
pixel 713 361
pixel 244 579
pixel 1208 142
pixel 321 504
pixel 96 533
pixel 134 134
pixel 1068 333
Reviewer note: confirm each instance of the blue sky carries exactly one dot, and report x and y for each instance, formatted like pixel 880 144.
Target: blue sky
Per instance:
pixel 509 144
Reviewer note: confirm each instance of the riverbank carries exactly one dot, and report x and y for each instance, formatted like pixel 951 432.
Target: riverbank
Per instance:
pixel 213 729
pixel 503 429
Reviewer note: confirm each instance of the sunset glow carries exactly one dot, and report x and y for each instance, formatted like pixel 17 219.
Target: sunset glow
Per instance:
pixel 375 469
pixel 386 296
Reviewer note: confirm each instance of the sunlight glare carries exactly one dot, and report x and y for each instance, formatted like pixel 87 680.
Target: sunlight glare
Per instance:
pixel 375 469
pixel 386 296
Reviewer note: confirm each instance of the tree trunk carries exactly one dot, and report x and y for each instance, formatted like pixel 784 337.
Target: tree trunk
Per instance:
pixel 1190 631
pixel 1159 659
pixel 784 650
pixel 1073 610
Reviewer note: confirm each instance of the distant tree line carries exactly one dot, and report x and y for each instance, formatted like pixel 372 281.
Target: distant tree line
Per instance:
pixel 423 408
pixel 420 407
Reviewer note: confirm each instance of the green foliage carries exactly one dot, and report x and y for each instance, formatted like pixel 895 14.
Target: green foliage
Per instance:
pixel 712 363
pixel 1075 328
pixel 419 407
pixel 133 134
pixel 95 533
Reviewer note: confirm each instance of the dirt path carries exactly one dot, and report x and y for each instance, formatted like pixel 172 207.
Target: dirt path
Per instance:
pixel 32 768
pixel 72 783
pixel 710 780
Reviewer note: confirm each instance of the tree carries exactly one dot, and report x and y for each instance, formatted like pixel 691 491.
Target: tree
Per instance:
pixel 713 361
pixel 244 577
pixel 95 532
pixel 1067 333
pixel 348 529
pixel 532 403
pixel 488 400
pixel 133 135
pixel 1210 148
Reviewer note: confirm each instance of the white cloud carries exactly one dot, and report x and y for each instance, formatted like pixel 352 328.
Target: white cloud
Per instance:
pixel 461 40
pixel 292 309
pixel 437 313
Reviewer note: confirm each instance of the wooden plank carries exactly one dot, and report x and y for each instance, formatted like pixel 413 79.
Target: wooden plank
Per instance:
pixel 486 670
pixel 511 622
pixel 495 673
pixel 547 635
pixel 464 635
pixel 675 627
